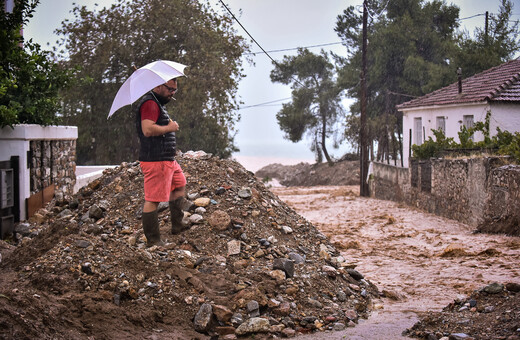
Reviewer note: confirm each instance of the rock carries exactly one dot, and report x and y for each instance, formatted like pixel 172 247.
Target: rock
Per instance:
pixel 338 326
pixel 494 288
pixel 289 333
pixel 195 219
pixel 286 265
pixel 286 229
pixel 459 336
pixel 202 320
pixel 253 309
pixel 66 213
pixel 237 319
pixel 278 275
pixel 222 313
pixel 233 247
pixel 202 202
pixel 314 303
pixel 23 229
pixel 95 212
pixel 513 287
pixel 219 220
pixel 253 325
pixel 297 258
pixel 245 193
pixel 355 274
pixel 82 244
pixel 330 271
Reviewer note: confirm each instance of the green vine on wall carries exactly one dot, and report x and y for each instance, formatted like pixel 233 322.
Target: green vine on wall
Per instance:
pixel 503 143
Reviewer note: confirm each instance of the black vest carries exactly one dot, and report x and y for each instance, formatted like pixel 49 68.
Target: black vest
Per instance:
pixel 155 148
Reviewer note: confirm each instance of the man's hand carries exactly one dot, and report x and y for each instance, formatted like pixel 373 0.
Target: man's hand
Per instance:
pixel 151 129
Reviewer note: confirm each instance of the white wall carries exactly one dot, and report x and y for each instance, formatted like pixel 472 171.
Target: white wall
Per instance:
pixel 16 142
pixel 505 116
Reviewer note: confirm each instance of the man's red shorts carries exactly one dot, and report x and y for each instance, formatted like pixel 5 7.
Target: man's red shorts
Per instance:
pixel 161 178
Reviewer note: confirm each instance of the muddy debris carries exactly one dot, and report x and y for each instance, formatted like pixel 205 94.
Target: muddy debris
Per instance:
pixel 488 313
pixel 249 264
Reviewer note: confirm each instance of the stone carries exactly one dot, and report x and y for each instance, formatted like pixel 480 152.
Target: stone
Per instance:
pixel 286 265
pixel 253 325
pixel 219 220
pixel 338 326
pixel 278 275
pixel 297 258
pixel 253 309
pixel 494 288
pixel 314 303
pixel 225 330
pixel 195 219
pixel 202 320
pixel 289 333
pixel 355 274
pixel 513 287
pixel 95 212
pixel 284 309
pixel 233 247
pixel 330 271
pixel 237 319
pixel 459 336
pixel 66 213
pixel 222 313
pixel 245 193
pixel 82 244
pixel 287 230
pixel 202 202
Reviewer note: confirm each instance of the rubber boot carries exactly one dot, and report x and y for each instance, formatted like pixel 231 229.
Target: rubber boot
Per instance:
pixel 151 229
pixel 177 214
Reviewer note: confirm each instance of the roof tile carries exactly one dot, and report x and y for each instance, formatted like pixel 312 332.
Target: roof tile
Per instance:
pixel 498 84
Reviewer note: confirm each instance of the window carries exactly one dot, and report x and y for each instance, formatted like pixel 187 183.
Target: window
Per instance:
pixel 418 131
pixel 467 121
pixel 441 124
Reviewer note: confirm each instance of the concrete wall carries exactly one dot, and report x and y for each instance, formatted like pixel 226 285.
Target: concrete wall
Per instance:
pixel 474 191
pixel 47 154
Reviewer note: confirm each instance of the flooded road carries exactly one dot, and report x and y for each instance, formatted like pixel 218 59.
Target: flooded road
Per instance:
pixel 418 260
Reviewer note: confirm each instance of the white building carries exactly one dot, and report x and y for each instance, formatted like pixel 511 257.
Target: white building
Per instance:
pixel 496 90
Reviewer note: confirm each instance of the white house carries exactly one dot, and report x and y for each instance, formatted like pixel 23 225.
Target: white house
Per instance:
pixel 465 102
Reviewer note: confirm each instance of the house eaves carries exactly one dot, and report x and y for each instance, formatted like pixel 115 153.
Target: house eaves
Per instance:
pixel 497 84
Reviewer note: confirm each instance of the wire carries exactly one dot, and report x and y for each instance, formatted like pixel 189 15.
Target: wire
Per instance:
pixel 294 48
pixel 265 103
pixel 256 42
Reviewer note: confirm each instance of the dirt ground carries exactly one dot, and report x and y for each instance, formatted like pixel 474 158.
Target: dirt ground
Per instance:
pixel 420 262
pixel 302 262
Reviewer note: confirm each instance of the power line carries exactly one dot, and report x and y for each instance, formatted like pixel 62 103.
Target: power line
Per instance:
pixel 254 40
pixel 265 103
pixel 294 48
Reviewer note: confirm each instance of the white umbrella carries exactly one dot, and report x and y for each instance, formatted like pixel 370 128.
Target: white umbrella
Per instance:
pixel 145 79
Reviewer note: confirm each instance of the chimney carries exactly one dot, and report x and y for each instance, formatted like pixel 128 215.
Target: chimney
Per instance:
pixel 459 75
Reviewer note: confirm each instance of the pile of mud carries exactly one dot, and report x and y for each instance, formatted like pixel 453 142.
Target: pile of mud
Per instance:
pixel 305 174
pixel 492 312
pixel 249 264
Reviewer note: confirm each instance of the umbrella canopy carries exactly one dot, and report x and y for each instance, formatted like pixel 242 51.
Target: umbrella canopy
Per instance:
pixel 145 79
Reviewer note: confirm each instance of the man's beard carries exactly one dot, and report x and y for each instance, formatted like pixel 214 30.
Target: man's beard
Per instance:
pixel 163 100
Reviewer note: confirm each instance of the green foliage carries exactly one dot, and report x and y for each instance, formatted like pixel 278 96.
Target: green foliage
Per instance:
pixel 414 48
pixel 433 148
pixel 503 143
pixel 487 50
pixel 29 78
pixel 315 106
pixel 106 44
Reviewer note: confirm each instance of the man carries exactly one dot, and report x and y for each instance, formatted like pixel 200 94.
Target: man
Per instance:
pixel 163 177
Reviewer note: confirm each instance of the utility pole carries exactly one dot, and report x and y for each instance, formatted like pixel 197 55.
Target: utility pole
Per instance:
pixel 363 159
pixel 486 29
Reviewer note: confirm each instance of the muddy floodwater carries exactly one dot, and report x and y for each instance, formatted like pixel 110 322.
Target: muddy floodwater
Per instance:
pixel 418 260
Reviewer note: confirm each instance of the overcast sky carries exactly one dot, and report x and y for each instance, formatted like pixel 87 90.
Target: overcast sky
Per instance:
pixel 275 25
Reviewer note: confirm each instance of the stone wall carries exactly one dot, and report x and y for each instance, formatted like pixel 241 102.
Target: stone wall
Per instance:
pixel 53 162
pixel 474 191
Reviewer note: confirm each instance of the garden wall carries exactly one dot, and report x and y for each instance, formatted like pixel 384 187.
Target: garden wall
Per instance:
pixel 481 192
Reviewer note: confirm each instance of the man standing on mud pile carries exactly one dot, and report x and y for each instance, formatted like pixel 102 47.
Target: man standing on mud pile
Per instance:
pixel 163 176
